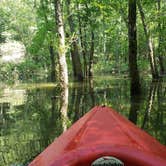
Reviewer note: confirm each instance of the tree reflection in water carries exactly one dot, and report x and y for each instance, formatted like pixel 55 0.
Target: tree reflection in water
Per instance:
pixel 134 108
pixel 150 101
pixel 64 107
pixel 27 129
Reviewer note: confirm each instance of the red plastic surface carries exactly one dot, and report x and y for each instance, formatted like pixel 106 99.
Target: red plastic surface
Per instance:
pixel 102 131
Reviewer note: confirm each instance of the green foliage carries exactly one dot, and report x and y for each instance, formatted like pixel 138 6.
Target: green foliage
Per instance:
pixel 3 21
pixel 7 72
pixel 38 40
pixel 18 19
pixel 33 23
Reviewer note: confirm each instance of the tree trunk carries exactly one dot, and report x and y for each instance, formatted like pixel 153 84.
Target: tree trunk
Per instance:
pixel 91 53
pixel 76 104
pixel 85 46
pixel 162 70
pixel 77 67
pixel 91 58
pixel 50 46
pixel 62 62
pixel 82 47
pixel 135 87
pixel 61 45
pixel 134 108
pixel 52 58
pixel 152 60
pixel 91 91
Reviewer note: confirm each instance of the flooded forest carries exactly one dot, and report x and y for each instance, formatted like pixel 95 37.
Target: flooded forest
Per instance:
pixel 60 58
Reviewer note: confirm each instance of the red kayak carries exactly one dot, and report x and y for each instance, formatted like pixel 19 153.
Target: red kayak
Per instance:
pixel 103 132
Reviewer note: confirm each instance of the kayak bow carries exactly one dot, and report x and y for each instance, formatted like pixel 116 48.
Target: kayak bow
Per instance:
pixel 103 132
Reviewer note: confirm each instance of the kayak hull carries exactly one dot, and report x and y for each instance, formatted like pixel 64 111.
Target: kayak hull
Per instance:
pixel 103 132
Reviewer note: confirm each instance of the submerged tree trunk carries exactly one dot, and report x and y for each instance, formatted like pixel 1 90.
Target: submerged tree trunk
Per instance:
pixel 152 60
pixel 64 107
pixel 134 108
pixel 77 67
pixel 61 45
pixel 132 35
pixel 160 52
pixel 62 61
pixel 76 104
pixel 91 91
pixel 91 61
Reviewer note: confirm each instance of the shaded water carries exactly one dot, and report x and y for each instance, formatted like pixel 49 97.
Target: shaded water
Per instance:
pixel 30 114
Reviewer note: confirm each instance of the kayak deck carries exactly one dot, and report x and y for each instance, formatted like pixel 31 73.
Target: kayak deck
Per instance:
pixel 100 132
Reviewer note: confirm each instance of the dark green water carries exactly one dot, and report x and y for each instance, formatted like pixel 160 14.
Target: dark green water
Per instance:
pixel 30 113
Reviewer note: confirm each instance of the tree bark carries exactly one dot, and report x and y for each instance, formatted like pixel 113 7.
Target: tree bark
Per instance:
pixel 91 58
pixel 135 87
pixel 82 47
pixel 61 45
pixel 52 58
pixel 92 44
pixel 77 67
pixel 50 45
pixel 152 60
pixel 62 62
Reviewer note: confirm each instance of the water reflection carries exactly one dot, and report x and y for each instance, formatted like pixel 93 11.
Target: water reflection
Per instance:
pixel 154 119
pixel 31 124
pixel 134 108
pixel 64 107
pixel 150 100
